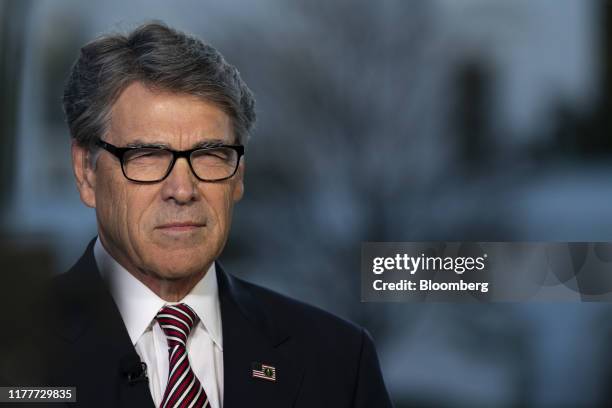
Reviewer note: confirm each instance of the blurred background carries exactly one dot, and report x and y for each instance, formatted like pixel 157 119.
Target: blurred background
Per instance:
pixel 394 120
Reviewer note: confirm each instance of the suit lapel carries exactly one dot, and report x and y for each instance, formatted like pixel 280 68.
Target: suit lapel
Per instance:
pixel 92 326
pixel 250 336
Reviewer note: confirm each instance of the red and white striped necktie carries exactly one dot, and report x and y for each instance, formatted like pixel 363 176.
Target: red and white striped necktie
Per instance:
pixel 183 389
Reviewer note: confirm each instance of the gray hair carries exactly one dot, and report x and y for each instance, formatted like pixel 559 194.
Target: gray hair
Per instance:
pixel 161 58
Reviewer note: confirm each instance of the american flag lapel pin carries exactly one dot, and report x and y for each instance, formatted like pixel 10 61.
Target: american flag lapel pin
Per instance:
pixel 263 371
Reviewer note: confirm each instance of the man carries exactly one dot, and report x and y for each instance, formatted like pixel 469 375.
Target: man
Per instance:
pixel 147 317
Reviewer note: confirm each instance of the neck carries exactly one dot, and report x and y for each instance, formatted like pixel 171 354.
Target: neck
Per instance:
pixel 172 289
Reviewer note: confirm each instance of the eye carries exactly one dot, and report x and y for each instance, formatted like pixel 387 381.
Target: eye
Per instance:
pixel 213 154
pixel 220 156
pixel 141 154
pixel 144 155
pixel 218 153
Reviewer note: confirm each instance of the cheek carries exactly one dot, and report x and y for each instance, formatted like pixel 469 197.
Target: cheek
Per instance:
pixel 110 199
pixel 220 200
pixel 120 206
pixel 138 211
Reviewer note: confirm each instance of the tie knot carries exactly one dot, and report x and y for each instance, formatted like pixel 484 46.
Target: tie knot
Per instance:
pixel 177 321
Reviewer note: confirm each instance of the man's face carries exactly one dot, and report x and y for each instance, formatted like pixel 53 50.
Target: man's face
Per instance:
pixel 135 220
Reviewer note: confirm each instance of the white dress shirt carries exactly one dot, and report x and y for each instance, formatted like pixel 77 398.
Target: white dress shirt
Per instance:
pixel 138 306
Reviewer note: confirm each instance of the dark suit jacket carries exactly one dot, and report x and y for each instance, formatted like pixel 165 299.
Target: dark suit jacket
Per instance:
pixel 320 360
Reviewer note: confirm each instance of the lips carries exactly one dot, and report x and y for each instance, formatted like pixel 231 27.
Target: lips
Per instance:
pixel 181 226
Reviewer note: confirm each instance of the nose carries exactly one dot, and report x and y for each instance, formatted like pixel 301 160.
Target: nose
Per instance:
pixel 181 184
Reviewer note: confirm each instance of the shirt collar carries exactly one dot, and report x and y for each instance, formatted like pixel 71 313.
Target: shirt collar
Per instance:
pixel 138 305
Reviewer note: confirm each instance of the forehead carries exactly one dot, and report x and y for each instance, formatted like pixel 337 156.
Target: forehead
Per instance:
pixel 175 119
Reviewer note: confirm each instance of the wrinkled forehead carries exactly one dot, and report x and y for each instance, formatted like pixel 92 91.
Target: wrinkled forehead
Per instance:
pixel 175 120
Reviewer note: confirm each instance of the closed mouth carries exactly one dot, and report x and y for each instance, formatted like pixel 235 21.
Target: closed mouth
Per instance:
pixel 181 225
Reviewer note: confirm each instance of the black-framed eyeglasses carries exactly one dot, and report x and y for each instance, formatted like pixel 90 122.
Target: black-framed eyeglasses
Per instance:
pixel 152 164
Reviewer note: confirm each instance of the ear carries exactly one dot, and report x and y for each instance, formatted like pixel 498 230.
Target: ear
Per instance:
pixel 239 182
pixel 85 174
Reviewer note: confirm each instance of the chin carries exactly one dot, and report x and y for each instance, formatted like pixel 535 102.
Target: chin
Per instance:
pixel 179 270
pixel 175 263
pixel 176 274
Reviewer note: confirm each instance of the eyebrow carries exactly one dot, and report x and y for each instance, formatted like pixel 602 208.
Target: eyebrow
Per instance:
pixel 156 144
